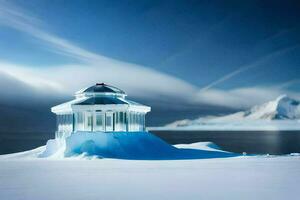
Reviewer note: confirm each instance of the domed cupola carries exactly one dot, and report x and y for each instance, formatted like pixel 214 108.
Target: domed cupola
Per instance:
pixel 100 89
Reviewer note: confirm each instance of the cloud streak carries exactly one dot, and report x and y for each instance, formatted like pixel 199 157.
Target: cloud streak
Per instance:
pixel 63 80
pixel 16 18
pixel 244 68
pixel 96 67
pixel 135 79
pixel 242 98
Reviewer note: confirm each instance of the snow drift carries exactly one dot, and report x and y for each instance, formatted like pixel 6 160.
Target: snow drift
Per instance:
pixel 123 145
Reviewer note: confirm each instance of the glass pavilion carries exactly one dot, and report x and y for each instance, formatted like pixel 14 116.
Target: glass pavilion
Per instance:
pixel 101 108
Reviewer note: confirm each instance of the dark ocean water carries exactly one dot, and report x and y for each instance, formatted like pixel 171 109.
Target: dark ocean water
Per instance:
pixel 11 142
pixel 253 142
pixel 257 142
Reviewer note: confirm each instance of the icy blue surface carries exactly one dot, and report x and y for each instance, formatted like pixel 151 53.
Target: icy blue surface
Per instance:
pixel 133 145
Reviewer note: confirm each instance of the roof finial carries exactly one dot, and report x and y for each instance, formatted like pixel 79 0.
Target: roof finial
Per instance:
pixel 100 83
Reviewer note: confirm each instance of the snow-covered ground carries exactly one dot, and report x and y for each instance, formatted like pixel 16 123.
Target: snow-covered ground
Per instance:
pixel 283 113
pixel 25 176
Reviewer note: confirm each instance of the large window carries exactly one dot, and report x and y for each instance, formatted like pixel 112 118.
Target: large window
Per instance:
pixel 130 121
pixel 88 121
pixel 109 119
pixel 99 121
pixel 120 123
pixel 103 121
pixel 79 121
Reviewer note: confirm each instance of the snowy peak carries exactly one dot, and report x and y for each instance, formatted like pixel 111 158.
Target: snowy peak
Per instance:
pixel 282 107
pixel 281 110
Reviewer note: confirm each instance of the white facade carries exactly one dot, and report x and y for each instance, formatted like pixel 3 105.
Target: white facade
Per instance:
pixel 99 108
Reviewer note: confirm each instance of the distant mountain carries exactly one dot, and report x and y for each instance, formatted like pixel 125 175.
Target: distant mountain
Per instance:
pixel 282 108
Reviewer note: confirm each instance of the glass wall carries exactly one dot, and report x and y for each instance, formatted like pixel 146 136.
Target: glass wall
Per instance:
pixel 79 121
pixel 99 121
pixel 120 121
pixel 108 121
pixel 136 121
pixel 88 121
pixel 64 124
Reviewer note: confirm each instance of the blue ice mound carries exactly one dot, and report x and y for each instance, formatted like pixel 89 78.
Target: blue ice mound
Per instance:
pixel 133 145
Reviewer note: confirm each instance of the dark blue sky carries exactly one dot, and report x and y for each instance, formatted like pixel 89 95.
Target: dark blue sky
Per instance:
pixel 226 46
pixel 185 59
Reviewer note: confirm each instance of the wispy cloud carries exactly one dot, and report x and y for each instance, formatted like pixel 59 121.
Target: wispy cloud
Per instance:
pixel 16 18
pixel 244 68
pixel 241 98
pixel 96 68
pixel 288 84
pixel 135 79
pixel 62 80
pixel 30 78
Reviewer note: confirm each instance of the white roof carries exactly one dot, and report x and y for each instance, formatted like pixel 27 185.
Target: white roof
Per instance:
pixel 79 104
pixel 100 97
